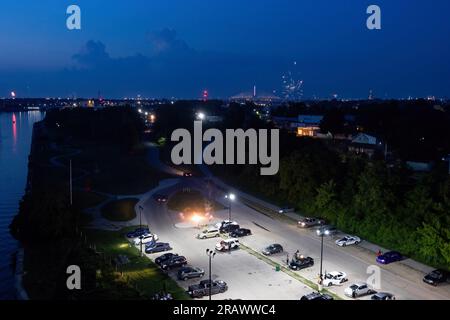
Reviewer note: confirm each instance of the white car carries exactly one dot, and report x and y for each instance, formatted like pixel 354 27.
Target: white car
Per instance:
pixel 209 233
pixel 348 241
pixel 147 238
pixel 228 245
pixel 358 290
pixel 334 278
pixel 224 223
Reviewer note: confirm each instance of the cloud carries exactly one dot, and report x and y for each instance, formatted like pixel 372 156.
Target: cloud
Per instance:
pixel 92 54
pixel 166 41
pixel 174 69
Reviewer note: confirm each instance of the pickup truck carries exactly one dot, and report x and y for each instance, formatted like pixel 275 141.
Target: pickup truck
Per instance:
pixel 202 289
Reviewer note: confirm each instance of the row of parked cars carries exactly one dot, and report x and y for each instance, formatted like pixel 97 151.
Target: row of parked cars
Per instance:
pixel 171 261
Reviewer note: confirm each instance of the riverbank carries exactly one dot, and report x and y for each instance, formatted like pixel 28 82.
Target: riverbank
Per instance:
pixel 15 141
pixel 56 234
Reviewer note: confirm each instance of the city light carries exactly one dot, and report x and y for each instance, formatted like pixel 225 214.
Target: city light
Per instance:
pixel 201 116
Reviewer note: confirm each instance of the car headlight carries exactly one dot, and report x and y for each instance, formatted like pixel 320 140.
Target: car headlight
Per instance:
pixel 327 232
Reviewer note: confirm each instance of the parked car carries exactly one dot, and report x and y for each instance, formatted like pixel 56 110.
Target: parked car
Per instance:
pixel 174 262
pixel 157 247
pixel 389 257
pixel 228 245
pixel 165 257
pixel 187 273
pixel 239 233
pixel 203 288
pixel 224 223
pixel 383 296
pixel 348 241
pixel 160 198
pixel 316 296
pixel 310 222
pixel 358 290
pixel 209 233
pixel 229 228
pixel 285 210
pixel 327 231
pixel 137 233
pixel 302 263
pixel 334 278
pixel 146 238
pixel 436 277
pixel 272 249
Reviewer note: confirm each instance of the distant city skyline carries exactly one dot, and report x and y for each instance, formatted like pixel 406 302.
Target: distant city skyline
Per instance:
pixel 164 49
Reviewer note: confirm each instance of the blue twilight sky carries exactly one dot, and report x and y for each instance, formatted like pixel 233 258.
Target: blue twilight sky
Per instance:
pixel 165 48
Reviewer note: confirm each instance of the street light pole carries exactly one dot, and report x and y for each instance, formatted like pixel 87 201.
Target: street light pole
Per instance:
pixel 140 225
pixel 321 259
pixel 230 198
pixel 210 254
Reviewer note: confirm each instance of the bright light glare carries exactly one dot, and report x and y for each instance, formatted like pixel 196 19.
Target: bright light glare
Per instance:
pixel 201 116
pixel 232 197
pixel 196 218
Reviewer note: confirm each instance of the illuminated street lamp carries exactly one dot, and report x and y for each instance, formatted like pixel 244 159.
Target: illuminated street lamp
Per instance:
pixel 210 254
pixel 231 197
pixel 201 116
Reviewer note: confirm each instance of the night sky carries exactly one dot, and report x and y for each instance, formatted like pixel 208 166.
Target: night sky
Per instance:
pixel 177 48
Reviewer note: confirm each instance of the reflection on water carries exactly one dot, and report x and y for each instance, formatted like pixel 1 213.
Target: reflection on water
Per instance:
pixel 15 140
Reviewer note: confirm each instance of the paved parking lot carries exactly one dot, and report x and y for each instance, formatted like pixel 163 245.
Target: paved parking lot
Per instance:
pixel 251 278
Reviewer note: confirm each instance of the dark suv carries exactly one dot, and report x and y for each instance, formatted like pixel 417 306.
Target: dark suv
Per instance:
pixel 229 228
pixel 239 233
pixel 436 277
pixel 174 262
pixel 165 257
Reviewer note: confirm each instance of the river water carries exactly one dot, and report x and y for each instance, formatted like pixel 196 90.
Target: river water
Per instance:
pixel 15 142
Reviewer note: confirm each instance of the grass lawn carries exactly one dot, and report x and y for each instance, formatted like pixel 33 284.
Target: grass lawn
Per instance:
pixel 192 201
pixel 120 210
pixel 140 273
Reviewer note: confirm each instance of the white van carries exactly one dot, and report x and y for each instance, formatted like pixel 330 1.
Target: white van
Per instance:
pixel 209 233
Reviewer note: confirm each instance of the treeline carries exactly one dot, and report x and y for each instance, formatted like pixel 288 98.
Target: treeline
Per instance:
pixel 390 207
pixel 118 125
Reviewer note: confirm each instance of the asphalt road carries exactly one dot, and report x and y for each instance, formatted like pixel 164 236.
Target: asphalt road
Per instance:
pixel 251 278
pixel 248 277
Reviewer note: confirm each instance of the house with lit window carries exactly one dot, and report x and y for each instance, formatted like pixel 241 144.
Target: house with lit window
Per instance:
pixel 309 125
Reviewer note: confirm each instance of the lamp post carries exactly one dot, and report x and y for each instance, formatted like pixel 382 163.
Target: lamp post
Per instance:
pixel 321 233
pixel 210 254
pixel 140 224
pixel 231 197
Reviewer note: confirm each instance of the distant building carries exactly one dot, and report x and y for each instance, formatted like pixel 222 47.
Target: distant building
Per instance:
pixel 366 144
pixel 309 126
